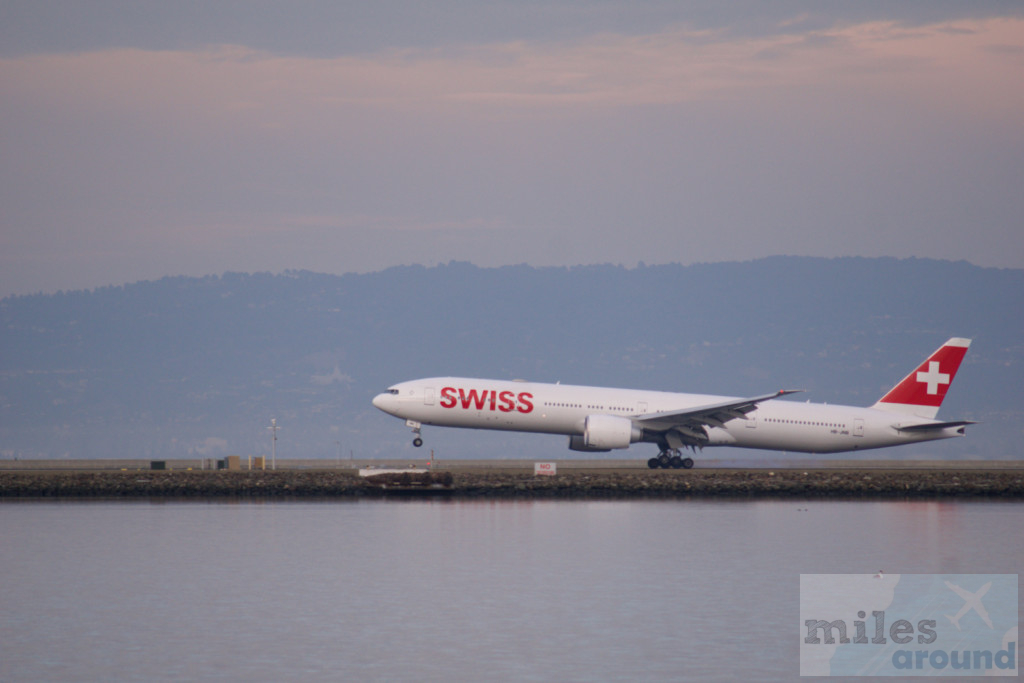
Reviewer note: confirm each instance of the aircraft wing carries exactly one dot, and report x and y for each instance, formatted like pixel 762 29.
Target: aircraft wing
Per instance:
pixel 689 424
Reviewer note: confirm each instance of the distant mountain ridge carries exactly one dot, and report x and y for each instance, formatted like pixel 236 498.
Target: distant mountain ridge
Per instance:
pixel 198 366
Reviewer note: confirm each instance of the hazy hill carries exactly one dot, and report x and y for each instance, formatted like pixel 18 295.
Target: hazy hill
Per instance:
pixel 199 365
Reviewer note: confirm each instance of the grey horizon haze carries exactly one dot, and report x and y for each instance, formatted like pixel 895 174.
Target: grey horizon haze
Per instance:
pixel 143 139
pixel 189 367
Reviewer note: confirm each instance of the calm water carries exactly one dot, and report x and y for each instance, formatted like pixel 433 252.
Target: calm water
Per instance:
pixel 444 591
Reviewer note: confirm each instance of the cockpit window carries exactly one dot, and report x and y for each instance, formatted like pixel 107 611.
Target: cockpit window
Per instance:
pixel 393 391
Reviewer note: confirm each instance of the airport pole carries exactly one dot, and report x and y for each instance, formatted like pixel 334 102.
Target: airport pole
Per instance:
pixel 273 444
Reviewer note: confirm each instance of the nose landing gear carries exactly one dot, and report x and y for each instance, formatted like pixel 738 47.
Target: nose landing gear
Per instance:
pixel 670 459
pixel 417 440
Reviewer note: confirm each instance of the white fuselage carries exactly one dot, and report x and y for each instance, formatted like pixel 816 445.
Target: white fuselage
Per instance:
pixel 562 409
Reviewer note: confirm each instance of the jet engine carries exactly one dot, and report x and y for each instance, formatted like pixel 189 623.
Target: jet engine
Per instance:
pixel 576 444
pixel 605 432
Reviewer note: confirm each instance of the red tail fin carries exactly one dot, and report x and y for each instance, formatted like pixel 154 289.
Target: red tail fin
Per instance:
pixel 921 392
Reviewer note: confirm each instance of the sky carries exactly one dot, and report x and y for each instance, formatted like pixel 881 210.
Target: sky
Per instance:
pixel 141 139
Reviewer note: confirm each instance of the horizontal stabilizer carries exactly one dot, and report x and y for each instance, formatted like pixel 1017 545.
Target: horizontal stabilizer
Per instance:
pixel 933 426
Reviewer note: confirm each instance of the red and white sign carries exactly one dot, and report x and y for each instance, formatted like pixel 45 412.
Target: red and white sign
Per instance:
pixel 546 469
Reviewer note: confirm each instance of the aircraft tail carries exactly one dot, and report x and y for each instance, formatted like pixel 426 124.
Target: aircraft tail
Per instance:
pixel 921 392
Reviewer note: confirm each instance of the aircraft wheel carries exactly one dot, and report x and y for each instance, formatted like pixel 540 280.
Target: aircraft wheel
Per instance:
pixel 687 463
pixel 417 442
pixel 654 463
pixel 676 462
pixel 664 460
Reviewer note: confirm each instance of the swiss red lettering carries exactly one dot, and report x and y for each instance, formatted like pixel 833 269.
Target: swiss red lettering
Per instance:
pixel 479 399
pixel 448 397
pixel 491 399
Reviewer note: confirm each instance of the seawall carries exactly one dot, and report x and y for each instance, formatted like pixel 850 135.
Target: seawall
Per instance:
pixel 505 483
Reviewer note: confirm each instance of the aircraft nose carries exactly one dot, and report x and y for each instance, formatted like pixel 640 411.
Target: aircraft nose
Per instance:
pixel 384 402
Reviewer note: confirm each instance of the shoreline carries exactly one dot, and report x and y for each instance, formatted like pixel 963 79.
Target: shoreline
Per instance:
pixel 509 483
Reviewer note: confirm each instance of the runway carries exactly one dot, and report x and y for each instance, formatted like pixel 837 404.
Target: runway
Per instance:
pixel 514 466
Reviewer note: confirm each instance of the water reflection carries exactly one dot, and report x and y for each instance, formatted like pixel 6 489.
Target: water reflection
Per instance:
pixel 442 590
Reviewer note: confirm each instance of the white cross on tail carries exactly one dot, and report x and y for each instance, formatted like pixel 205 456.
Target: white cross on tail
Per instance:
pixel 933 378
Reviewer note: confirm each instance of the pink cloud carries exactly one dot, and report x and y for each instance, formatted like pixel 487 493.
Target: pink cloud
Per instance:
pixel 161 162
pixel 235 85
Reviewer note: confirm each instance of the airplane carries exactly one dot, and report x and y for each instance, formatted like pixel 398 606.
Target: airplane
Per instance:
pixel 600 419
pixel 972 601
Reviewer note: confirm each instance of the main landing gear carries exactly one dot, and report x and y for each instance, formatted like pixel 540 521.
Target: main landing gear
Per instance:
pixel 670 459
